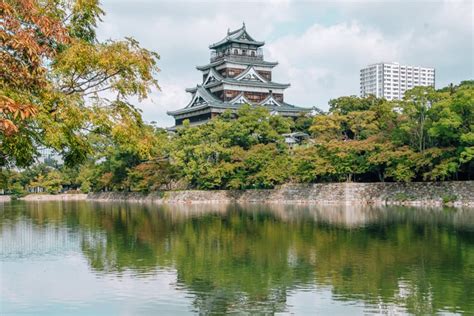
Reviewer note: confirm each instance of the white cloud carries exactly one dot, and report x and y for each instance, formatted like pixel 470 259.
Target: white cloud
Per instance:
pixel 325 61
pixel 171 97
pixel 320 46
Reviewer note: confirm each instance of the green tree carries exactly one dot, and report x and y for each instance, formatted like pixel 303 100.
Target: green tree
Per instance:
pixel 54 74
pixel 416 107
pixel 213 155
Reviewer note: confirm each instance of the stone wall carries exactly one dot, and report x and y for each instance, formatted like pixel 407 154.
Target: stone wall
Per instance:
pixel 54 197
pixel 418 193
pixel 5 198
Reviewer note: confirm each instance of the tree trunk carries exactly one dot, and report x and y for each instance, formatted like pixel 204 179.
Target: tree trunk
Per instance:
pixel 380 175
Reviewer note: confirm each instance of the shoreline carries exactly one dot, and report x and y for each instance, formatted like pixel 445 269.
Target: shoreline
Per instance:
pixel 450 193
pixel 50 197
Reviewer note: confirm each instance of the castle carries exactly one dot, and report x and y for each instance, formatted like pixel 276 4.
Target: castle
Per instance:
pixel 237 74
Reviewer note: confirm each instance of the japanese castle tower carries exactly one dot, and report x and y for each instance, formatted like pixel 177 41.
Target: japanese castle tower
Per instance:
pixel 237 74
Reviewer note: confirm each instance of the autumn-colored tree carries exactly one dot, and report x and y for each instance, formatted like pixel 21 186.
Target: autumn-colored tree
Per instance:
pixel 29 36
pixel 54 75
pixel 153 175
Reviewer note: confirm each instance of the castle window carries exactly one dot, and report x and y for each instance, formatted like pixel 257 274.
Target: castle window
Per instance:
pixel 236 52
pixel 253 53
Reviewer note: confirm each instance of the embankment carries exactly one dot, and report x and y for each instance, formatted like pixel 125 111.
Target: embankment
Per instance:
pixel 456 193
pixel 5 198
pixel 54 197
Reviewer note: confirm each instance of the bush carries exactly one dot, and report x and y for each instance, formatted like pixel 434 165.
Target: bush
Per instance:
pixel 402 196
pixel 448 198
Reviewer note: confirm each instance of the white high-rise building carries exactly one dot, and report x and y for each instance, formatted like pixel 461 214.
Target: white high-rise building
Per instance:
pixel 391 80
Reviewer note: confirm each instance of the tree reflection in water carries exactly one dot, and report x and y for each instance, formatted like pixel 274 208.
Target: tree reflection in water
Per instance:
pixel 251 257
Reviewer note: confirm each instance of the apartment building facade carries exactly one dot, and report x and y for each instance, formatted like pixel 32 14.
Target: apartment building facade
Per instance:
pixel 391 80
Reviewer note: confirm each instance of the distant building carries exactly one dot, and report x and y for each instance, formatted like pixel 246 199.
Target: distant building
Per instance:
pixel 237 74
pixel 295 138
pixel 391 80
pixel 49 156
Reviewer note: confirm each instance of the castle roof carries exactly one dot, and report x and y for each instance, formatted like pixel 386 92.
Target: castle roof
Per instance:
pixel 249 77
pixel 248 83
pixel 238 36
pixel 203 99
pixel 229 59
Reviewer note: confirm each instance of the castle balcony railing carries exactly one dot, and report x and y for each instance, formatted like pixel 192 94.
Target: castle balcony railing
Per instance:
pixel 237 56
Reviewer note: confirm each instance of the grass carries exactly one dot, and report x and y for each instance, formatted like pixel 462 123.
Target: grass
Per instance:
pixel 449 198
pixel 402 196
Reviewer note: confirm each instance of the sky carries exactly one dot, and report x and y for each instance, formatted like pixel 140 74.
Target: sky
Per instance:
pixel 320 45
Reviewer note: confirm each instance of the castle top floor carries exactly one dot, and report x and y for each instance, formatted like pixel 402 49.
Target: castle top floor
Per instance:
pixel 238 45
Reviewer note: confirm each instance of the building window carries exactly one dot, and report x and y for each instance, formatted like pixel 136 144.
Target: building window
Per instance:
pixel 236 52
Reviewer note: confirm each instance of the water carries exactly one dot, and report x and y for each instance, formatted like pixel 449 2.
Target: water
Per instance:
pixel 86 258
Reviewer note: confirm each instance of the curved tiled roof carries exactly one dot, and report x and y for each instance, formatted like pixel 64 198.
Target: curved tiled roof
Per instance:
pixel 210 101
pixel 213 74
pixel 239 62
pixel 250 83
pixel 238 36
pixel 205 95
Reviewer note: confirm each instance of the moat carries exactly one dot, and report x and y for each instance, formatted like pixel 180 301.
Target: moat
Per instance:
pixel 92 258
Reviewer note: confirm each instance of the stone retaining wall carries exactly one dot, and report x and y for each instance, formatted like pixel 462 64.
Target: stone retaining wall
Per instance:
pixel 457 193
pixel 5 198
pixel 54 197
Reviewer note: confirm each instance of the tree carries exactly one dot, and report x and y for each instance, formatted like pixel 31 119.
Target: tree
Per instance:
pixel 452 126
pixel 50 181
pixel 54 73
pixel 359 139
pixel 30 35
pixel 264 166
pixel 415 115
pixel 10 182
pixel 213 155
pixel 152 175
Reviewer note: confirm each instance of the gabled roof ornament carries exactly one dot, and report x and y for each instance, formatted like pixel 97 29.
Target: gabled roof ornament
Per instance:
pixel 228 31
pixel 240 99
pixel 212 76
pixel 270 101
pixel 250 74
pixel 314 111
pixel 243 25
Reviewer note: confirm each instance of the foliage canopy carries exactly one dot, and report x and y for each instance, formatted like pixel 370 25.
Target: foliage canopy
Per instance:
pixel 60 86
pixel 428 136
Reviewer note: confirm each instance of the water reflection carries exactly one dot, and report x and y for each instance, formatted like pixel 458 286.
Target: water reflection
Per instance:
pixel 258 258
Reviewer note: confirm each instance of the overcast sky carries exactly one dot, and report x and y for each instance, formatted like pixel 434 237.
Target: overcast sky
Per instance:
pixel 320 46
